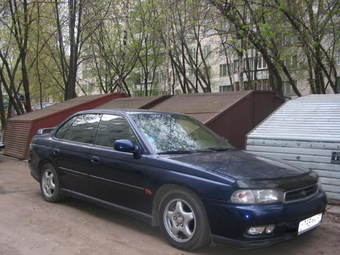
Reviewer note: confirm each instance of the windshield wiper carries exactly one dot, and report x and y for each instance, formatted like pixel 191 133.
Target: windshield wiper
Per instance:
pixel 220 149
pixel 212 149
pixel 175 152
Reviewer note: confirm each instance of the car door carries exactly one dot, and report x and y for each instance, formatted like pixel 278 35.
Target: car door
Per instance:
pixel 117 177
pixel 71 151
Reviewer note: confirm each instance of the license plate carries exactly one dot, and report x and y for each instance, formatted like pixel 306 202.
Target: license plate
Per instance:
pixel 309 223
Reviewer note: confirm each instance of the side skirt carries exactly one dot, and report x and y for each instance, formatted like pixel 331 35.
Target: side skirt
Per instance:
pixel 147 218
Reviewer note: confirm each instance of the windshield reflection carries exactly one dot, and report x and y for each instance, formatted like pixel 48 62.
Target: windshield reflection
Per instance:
pixel 172 133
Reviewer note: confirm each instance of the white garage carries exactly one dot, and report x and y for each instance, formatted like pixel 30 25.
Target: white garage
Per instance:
pixel 304 132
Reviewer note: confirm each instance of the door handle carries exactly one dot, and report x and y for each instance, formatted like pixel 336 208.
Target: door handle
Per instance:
pixel 95 160
pixel 55 152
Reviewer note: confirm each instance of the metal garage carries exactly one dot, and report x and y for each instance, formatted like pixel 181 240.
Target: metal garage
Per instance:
pixel 143 102
pixel 305 132
pixel 20 129
pixel 231 114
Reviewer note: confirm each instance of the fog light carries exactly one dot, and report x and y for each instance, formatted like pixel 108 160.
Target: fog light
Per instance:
pixel 270 229
pixel 256 230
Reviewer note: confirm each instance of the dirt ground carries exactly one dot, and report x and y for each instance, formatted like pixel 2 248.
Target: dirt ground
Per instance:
pixel 29 225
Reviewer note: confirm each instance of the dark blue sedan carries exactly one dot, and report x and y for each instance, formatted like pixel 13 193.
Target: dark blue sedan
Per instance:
pixel 173 172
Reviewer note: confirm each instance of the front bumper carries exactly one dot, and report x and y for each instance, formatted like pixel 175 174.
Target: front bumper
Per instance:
pixel 252 244
pixel 230 222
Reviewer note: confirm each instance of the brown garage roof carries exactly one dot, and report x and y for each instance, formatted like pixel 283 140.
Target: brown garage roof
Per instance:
pixel 203 107
pixel 143 102
pixel 56 108
pixel 20 129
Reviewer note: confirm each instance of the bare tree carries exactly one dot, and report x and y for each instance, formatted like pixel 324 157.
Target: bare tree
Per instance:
pixel 315 23
pixel 16 20
pixel 187 23
pixel 75 23
pixel 116 47
pixel 252 22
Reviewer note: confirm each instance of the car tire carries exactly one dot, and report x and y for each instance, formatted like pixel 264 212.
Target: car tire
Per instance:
pixel 183 220
pixel 49 183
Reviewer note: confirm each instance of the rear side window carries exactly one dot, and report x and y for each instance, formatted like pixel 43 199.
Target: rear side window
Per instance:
pixel 112 128
pixel 81 128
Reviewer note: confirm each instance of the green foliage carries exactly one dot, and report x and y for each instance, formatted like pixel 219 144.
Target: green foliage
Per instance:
pixel 122 41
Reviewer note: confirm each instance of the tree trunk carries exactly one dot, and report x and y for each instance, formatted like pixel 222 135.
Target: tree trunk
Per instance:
pixel 2 109
pixel 25 83
pixel 70 91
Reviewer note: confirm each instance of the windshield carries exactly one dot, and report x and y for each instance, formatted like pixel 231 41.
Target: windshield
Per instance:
pixel 172 133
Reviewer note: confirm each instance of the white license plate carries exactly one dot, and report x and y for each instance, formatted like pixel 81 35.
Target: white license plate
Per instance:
pixel 309 223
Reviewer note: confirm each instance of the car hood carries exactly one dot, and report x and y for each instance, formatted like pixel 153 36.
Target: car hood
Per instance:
pixel 246 168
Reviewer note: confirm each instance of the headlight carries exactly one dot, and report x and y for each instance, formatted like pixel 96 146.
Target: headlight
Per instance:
pixel 261 196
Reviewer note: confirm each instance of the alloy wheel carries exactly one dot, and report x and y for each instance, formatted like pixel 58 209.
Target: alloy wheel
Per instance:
pixel 48 183
pixel 179 220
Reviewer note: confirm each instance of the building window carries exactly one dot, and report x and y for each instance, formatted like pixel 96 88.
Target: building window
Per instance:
pixel 221 50
pixel 291 61
pixel 248 75
pixel 223 70
pixel 159 76
pixel 294 61
pixel 248 64
pixel 225 88
pixel 261 64
pixel 206 51
pixel 337 57
pixel 235 67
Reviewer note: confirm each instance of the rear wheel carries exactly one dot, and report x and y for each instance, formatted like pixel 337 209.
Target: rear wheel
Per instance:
pixel 49 183
pixel 183 220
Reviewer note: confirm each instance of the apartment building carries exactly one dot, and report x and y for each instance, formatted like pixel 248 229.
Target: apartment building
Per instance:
pixel 231 72
pixel 227 71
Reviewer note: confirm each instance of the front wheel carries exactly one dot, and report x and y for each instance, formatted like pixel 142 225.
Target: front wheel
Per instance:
pixel 49 183
pixel 183 220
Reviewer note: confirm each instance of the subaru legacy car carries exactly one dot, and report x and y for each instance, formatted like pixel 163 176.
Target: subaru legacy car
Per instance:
pixel 173 172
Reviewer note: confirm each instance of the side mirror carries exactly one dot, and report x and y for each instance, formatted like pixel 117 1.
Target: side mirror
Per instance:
pixel 127 146
pixel 43 131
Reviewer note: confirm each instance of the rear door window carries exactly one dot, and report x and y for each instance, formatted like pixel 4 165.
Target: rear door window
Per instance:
pixel 112 128
pixel 82 128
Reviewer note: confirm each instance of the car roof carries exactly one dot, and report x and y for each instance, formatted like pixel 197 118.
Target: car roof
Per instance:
pixel 125 111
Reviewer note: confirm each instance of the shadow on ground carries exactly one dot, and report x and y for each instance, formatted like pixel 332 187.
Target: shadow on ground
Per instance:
pixel 289 247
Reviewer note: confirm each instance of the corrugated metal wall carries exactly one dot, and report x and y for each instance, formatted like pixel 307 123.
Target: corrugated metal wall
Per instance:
pixel 17 146
pixel 21 129
pixel 304 132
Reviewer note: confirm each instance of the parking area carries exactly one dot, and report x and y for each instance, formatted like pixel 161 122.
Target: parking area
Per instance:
pixel 29 225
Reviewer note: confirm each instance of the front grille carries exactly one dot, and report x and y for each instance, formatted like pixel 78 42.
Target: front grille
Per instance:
pixel 301 193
